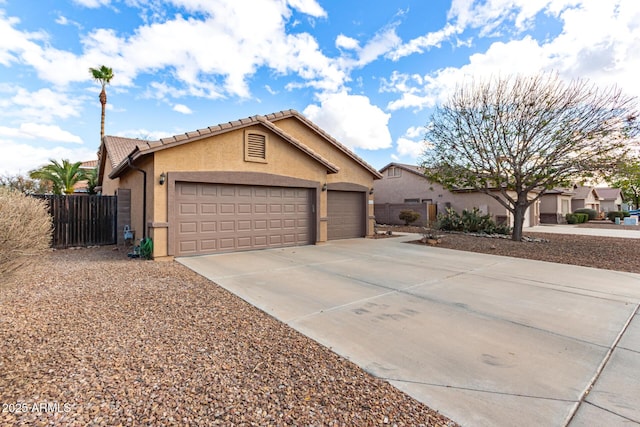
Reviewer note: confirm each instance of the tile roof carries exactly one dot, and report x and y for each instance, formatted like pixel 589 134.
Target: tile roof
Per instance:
pixel 583 192
pixel 293 113
pixel 608 193
pixel 120 148
pixel 418 170
pixel 89 164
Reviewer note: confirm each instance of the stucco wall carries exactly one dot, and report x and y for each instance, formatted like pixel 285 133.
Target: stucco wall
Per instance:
pixel 109 186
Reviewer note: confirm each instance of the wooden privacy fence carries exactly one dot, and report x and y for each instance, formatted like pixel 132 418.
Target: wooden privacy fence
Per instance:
pixel 82 220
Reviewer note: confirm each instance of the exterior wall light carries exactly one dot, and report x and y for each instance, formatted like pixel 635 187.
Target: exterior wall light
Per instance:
pixel 371 190
pixel 324 187
pixel 163 178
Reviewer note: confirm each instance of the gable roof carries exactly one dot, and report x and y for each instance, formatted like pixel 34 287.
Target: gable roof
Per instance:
pixel 114 149
pixel 608 193
pixel 281 115
pixel 583 192
pixel 418 170
pixel 120 149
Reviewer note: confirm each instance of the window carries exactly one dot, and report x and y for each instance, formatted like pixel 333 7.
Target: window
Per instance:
pixel 255 147
pixel 412 200
pixel 565 206
pixel 394 171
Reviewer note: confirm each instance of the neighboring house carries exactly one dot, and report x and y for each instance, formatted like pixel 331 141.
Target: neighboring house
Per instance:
pixel 260 182
pixel 403 184
pixel 80 187
pixel 585 197
pixel 611 199
pixel 555 204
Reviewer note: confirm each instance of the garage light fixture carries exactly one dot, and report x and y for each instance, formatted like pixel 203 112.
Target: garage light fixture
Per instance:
pixel 163 178
pixel 371 190
pixel 324 187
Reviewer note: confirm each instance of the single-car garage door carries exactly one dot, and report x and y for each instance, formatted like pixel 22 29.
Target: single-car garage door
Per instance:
pixel 345 215
pixel 222 217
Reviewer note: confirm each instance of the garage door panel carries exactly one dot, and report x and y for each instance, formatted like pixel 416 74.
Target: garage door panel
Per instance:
pixel 227 208
pixel 208 208
pixel 227 226
pixel 208 226
pixel 188 227
pixel 221 217
pixel 188 209
pixel 227 191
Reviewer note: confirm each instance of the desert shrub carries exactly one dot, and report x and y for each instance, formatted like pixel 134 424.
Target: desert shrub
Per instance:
pixel 449 221
pixel 611 216
pixel 581 217
pixel 25 229
pixel 409 216
pixel 591 213
pixel 471 221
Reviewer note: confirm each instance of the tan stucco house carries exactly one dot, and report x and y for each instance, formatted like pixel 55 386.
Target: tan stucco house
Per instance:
pixel 259 182
pixel 585 197
pixel 402 185
pixel 555 204
pixel 611 199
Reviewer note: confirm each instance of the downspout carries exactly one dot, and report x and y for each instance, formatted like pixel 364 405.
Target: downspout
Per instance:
pixel 144 196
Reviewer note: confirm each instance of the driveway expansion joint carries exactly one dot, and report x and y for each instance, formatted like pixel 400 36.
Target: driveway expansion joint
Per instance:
pixel 601 368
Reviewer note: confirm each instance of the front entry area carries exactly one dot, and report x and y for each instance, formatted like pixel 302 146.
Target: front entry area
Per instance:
pixel 214 218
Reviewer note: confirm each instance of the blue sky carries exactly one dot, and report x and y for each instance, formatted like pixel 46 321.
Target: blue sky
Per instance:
pixel 368 72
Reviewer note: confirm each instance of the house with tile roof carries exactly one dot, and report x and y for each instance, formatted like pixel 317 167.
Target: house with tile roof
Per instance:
pixel 611 199
pixel 406 187
pixel 259 182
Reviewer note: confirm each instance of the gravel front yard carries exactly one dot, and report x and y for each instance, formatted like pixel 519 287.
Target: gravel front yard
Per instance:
pixel 609 253
pixel 90 337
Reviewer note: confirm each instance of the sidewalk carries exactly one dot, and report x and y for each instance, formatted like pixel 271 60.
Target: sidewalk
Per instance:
pixel 574 229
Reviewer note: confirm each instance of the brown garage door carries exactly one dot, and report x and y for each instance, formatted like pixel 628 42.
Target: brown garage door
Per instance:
pixel 345 214
pixel 222 218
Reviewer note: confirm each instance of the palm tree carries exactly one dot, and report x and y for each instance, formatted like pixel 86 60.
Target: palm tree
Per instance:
pixel 104 75
pixel 91 175
pixel 62 176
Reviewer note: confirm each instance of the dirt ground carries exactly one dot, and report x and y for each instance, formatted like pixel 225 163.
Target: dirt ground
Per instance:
pixel 91 337
pixel 609 253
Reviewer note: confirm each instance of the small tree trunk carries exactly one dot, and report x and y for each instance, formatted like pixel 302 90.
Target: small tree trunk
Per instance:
pixel 518 218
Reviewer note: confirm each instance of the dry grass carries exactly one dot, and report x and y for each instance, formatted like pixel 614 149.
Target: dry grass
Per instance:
pixel 25 230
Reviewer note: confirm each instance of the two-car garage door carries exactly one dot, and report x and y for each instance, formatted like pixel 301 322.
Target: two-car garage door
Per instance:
pixel 223 217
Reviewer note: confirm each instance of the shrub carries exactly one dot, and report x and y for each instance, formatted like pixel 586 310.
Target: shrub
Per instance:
pixel 571 218
pixel 591 213
pixel 409 216
pixel 582 217
pixel 611 216
pixel 25 230
pixel 472 221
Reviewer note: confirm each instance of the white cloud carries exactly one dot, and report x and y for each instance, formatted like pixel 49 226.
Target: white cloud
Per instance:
pixel 181 108
pixel 92 3
pixel 21 158
pixel 415 132
pixel 43 105
pixel 422 43
pixel 344 42
pixel 145 134
pixel 409 148
pixel 40 132
pixel 308 7
pixel 352 120
pixel 599 41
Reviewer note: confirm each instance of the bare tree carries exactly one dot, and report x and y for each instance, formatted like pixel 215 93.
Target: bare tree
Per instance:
pixel 513 138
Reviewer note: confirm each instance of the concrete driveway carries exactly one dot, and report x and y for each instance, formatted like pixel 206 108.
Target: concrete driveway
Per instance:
pixel 485 340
